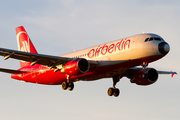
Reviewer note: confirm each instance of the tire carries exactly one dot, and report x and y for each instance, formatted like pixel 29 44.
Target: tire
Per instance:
pixel 71 86
pixel 110 91
pixel 116 92
pixel 64 85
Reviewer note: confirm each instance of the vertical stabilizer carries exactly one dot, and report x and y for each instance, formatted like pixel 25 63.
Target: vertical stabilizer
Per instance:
pixel 24 43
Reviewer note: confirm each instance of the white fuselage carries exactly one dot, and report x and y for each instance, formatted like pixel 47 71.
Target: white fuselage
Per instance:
pixel 121 50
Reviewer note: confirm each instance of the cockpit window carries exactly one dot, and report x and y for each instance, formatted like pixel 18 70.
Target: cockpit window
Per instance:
pixel 146 39
pixel 151 39
pixel 156 38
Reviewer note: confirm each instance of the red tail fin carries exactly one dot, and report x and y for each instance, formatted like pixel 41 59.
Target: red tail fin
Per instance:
pixel 24 43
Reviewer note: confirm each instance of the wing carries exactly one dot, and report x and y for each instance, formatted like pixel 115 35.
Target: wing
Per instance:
pixel 166 72
pixel 11 71
pixel 46 60
pixel 134 69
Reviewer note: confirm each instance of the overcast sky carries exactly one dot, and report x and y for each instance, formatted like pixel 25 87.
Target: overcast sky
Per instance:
pixel 60 26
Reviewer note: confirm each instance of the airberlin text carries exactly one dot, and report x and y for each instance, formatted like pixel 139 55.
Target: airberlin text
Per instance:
pixel 103 50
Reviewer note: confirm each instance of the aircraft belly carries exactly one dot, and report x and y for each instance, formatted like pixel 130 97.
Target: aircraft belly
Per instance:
pixel 111 70
pixel 105 74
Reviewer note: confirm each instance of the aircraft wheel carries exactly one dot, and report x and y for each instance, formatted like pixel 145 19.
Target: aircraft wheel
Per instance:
pixel 71 86
pixel 64 85
pixel 116 92
pixel 110 91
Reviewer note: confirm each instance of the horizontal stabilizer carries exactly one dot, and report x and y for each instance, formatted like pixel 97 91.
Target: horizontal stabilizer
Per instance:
pixel 10 71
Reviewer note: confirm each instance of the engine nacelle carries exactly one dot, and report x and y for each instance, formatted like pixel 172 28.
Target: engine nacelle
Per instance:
pixel 147 77
pixel 76 67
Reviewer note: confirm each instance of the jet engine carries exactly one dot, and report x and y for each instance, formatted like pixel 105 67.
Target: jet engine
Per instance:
pixel 76 67
pixel 145 77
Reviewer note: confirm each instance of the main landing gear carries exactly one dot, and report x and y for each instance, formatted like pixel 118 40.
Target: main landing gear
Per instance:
pixel 67 84
pixel 113 90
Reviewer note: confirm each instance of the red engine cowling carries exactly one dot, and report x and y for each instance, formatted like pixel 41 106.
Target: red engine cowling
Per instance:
pixel 147 77
pixel 76 67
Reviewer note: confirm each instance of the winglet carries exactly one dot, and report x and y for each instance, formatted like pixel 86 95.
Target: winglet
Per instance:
pixel 172 74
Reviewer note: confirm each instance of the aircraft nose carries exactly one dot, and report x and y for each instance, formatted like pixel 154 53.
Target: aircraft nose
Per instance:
pixel 164 48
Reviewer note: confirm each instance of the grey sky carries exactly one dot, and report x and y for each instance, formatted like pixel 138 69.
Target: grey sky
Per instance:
pixel 60 26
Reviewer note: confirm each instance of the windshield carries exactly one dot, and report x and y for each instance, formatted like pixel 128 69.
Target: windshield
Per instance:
pixel 153 38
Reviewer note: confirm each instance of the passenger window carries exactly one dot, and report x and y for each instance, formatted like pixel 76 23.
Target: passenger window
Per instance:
pixel 158 39
pixel 151 39
pixel 146 39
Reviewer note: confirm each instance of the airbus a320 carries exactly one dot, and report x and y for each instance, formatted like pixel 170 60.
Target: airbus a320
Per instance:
pixel 115 60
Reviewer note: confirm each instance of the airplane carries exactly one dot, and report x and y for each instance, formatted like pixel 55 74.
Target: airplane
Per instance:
pixel 116 59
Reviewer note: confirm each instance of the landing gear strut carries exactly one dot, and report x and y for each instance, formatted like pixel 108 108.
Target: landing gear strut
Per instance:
pixel 113 90
pixel 144 65
pixel 67 84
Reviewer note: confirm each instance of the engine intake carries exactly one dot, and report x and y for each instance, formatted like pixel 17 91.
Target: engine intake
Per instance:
pixel 76 67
